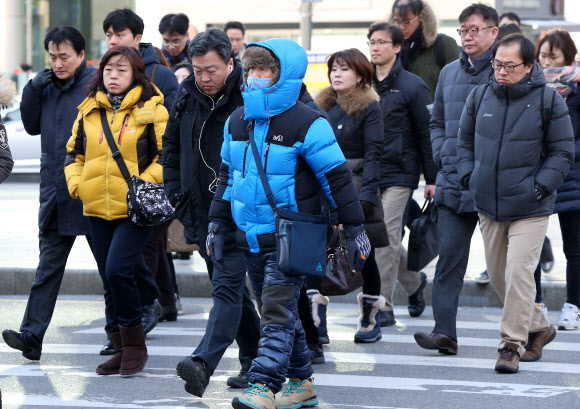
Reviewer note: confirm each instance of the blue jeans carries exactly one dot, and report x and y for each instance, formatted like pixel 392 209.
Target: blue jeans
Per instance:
pixel 282 350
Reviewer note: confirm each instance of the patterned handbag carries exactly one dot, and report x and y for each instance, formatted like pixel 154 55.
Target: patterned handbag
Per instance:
pixel 147 203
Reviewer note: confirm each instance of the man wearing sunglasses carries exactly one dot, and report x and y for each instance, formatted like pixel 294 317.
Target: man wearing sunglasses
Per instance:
pixel 515 146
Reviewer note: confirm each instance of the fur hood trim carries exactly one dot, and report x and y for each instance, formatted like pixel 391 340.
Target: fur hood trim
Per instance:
pixel 429 24
pixel 7 92
pixel 352 104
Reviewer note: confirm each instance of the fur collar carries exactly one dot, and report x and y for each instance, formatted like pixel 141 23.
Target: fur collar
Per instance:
pixel 351 104
pixel 429 24
pixel 7 92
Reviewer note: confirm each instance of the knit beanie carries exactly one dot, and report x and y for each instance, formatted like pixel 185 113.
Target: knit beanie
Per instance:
pixel 258 56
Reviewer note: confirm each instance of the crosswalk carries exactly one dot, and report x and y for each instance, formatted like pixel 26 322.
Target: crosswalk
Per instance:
pixel 394 373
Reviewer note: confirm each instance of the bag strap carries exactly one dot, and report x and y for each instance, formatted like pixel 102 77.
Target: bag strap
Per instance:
pixel 261 171
pixel 113 146
pixel 547 103
pixel 153 73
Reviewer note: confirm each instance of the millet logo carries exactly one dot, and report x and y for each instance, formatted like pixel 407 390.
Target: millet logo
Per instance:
pixel 278 138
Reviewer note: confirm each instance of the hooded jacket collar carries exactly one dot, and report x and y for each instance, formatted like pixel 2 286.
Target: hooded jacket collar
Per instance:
pixel 532 80
pixel 148 53
pixel 270 101
pixel 479 64
pixel 387 83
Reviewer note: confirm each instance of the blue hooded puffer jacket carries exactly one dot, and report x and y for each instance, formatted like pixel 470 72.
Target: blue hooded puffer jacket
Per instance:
pixel 319 148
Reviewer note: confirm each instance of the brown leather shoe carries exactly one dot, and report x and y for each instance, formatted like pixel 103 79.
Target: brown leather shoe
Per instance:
pixel 508 359
pixel 536 343
pixel 446 345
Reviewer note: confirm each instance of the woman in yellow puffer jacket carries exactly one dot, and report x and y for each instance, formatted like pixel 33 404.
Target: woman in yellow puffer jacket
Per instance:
pixel 137 119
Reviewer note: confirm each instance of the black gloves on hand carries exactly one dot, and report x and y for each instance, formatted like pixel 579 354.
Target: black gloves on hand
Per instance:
pixel 215 242
pixel 43 79
pixel 357 245
pixel 368 209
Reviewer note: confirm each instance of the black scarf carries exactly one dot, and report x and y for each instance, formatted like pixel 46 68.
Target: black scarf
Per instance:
pixel 412 47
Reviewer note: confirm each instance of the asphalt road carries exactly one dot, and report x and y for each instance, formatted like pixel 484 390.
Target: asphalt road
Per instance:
pixel 394 373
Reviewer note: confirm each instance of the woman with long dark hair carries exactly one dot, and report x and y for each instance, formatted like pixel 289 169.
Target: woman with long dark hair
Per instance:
pixel 137 119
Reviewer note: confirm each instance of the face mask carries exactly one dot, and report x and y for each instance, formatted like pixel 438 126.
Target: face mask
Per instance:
pixel 257 83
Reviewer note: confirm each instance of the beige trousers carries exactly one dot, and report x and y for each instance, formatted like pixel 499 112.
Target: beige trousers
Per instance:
pixel 392 260
pixel 512 253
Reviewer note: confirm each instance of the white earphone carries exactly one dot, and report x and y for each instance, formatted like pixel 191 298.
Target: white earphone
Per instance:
pixel 231 67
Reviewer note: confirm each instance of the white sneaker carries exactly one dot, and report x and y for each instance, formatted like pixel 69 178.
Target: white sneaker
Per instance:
pixel 570 318
pixel 544 309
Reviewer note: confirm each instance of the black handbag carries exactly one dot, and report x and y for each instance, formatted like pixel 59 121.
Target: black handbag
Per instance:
pixel 423 240
pixel 300 237
pixel 147 203
pixel 341 278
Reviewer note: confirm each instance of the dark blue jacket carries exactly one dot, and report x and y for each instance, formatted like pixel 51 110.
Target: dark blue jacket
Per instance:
pixel 51 113
pixel 455 83
pixel 164 78
pixel 568 198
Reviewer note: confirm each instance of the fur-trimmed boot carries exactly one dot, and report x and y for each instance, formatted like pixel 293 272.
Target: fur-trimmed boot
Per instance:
pixel 319 304
pixel 369 328
pixel 112 366
pixel 134 354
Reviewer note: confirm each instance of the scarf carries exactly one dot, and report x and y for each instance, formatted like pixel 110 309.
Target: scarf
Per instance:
pixel 412 47
pixel 116 100
pixel 564 80
pixel 181 58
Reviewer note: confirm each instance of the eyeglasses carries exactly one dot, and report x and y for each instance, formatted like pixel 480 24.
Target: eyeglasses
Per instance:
pixel 380 43
pixel 174 43
pixel 405 22
pixel 472 31
pixel 507 67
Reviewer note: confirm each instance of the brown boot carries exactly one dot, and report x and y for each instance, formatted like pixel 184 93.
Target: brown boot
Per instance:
pixel 111 367
pixel 536 343
pixel 134 350
pixel 508 359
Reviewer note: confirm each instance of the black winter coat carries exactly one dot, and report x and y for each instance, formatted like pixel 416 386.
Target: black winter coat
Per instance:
pixel 192 146
pixel 504 153
pixel 405 103
pixel 6 162
pixel 568 198
pixel 51 113
pixel 457 80
pixel 164 78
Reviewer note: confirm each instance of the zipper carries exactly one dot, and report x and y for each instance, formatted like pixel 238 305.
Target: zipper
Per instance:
pixel 113 117
pixel 498 153
pixel 266 156
pixel 244 166
pixel 123 128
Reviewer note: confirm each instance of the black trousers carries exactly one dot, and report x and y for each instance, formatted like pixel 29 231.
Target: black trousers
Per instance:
pixel 54 251
pixel 156 259
pixel 454 233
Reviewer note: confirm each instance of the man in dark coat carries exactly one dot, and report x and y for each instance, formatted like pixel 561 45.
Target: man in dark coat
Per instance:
pixel 456 216
pixel 49 108
pixel 513 162
pixel 192 145
pixel 405 102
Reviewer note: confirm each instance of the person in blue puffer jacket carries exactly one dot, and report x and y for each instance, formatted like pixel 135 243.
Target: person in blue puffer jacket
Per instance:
pixel 301 158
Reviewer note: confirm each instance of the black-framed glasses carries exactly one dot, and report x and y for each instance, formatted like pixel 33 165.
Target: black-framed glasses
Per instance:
pixel 405 22
pixel 472 31
pixel 380 43
pixel 507 67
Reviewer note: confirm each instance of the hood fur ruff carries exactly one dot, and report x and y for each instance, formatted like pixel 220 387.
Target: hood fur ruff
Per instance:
pixel 7 92
pixel 351 104
pixel 429 23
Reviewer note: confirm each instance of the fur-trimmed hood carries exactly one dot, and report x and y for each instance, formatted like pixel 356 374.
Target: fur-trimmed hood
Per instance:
pixel 428 22
pixel 351 104
pixel 7 92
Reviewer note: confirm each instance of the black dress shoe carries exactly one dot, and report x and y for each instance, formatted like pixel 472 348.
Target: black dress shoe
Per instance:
pixel 168 313
pixel 386 318
pixel 149 317
pixel 416 304
pixel 240 381
pixel 24 341
pixel 108 348
pixel 446 345
pixel 195 372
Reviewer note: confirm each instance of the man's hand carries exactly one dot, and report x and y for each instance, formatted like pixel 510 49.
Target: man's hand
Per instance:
pixel 216 238
pixel 43 79
pixel 429 191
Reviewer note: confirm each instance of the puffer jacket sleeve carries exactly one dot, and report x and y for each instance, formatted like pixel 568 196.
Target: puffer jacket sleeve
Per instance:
pixel 221 207
pixel 75 159
pixel 437 124
pixel 420 117
pixel 373 130
pixel 6 162
pixel 31 108
pixel 154 172
pixel 465 139
pixel 559 144
pixel 322 153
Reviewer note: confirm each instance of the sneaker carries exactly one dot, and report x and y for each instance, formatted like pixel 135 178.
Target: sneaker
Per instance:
pixel 508 359
pixel 298 394
pixel 257 396
pixel 240 381
pixel 536 343
pixel 386 318
pixel 178 305
pixel 483 278
pixel 544 309
pixel 316 354
pixel 416 304
pixel 108 348
pixel 570 318
pixel 24 341
pixel 195 372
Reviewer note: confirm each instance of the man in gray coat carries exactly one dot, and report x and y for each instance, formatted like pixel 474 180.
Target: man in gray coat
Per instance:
pixel 515 146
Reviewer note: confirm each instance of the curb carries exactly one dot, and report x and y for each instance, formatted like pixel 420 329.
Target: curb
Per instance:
pixel 17 281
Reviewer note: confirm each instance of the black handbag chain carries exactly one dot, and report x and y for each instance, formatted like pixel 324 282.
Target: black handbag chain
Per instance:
pixel 113 146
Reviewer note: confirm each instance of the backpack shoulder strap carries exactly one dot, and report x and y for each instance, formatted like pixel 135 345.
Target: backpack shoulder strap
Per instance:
pixel 153 73
pixel 479 93
pixel 439 50
pixel 546 108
